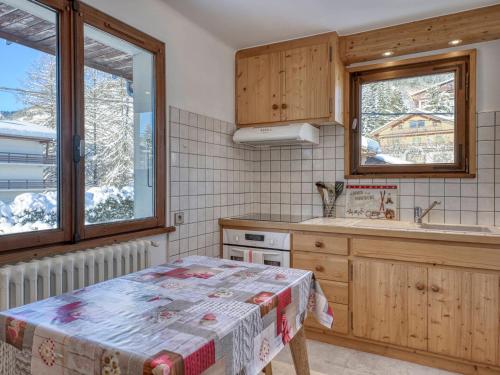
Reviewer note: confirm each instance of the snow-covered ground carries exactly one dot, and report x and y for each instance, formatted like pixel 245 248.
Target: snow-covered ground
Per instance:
pixel 38 211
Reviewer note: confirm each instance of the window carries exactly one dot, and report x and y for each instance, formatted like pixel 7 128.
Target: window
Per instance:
pixel 83 155
pixel 398 99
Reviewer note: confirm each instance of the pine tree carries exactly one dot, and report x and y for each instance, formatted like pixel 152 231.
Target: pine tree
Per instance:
pixel 109 122
pixel 39 94
pixel 438 101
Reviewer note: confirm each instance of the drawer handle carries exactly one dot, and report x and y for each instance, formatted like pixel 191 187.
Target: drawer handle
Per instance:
pixel 318 244
pixel 320 268
pixel 284 106
pixel 435 288
pixel 275 106
pixel 420 286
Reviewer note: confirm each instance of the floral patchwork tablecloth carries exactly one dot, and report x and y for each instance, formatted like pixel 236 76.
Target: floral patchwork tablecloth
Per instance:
pixel 196 315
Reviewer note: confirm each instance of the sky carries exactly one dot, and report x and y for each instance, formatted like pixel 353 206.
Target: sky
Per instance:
pixel 15 60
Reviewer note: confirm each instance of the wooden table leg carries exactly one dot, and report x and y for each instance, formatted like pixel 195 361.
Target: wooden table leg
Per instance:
pixel 268 370
pixel 298 347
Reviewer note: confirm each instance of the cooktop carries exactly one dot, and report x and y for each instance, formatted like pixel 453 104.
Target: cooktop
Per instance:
pixel 277 218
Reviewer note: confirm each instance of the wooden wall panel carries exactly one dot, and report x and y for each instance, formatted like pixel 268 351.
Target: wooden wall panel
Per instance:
pixel 473 26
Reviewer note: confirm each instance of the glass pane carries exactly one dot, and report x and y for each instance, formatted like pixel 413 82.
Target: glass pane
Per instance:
pixel 408 120
pixel 119 121
pixel 28 117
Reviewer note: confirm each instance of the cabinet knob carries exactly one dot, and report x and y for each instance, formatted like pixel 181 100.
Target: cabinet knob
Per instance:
pixel 284 106
pixel 275 106
pixel 435 288
pixel 320 268
pixel 318 244
pixel 420 286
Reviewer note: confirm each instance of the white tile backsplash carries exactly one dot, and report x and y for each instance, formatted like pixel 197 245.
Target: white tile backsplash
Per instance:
pixel 211 177
pixel 467 201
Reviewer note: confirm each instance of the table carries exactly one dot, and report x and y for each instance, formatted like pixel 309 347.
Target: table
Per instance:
pixel 198 315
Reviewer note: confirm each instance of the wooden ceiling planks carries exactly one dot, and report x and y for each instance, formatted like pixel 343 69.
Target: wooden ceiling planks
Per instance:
pixel 23 28
pixel 472 26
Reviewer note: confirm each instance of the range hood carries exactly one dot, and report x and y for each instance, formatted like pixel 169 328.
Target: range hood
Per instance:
pixel 293 134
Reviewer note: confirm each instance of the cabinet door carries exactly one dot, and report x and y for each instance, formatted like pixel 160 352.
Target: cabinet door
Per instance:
pixel 258 89
pixel 390 303
pixel 306 92
pixel 463 314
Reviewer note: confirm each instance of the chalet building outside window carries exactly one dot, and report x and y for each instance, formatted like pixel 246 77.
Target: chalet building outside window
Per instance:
pixel 413 118
pixel 82 154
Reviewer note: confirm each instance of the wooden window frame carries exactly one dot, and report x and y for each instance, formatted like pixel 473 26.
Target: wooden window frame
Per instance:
pixel 463 63
pixel 88 15
pixel 72 230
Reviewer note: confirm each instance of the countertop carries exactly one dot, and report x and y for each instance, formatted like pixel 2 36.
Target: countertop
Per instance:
pixel 381 228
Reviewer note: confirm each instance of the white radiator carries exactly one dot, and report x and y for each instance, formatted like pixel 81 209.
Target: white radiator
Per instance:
pixel 24 283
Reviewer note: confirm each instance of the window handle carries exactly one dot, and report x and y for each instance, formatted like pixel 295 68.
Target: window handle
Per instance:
pixel 354 125
pixel 78 148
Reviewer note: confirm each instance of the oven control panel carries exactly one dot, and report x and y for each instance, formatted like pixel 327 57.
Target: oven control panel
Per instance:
pixel 268 240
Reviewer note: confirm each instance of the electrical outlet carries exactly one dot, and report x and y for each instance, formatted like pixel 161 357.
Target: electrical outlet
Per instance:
pixel 179 218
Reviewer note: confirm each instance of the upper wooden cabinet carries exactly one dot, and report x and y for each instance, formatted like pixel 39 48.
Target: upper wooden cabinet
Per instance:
pixel 299 80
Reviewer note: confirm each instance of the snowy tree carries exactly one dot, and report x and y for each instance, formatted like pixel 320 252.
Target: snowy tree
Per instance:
pixel 109 123
pixel 39 96
pixel 109 130
pixel 39 92
pixel 381 102
pixel 439 101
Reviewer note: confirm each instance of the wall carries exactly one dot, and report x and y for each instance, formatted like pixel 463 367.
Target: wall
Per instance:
pixel 210 178
pixel 200 68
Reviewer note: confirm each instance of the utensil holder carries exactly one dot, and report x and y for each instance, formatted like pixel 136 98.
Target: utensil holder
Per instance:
pixel 329 209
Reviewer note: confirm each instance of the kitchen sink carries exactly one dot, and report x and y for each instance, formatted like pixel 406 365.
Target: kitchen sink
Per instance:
pixel 457 228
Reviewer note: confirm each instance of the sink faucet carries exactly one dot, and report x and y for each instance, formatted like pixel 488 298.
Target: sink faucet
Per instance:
pixel 419 215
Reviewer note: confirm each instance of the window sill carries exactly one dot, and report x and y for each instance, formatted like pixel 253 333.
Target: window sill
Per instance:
pixel 26 255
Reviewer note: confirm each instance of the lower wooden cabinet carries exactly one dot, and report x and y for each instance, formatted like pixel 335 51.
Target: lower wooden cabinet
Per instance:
pixel 464 314
pixel 395 295
pixel 446 311
pixel 389 303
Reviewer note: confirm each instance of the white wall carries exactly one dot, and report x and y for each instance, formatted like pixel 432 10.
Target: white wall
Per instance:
pixel 200 68
pixel 488 72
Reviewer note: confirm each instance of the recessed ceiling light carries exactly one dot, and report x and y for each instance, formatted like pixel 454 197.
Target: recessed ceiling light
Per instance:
pixel 388 53
pixel 455 42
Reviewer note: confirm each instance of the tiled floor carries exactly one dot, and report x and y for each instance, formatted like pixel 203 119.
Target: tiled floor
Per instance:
pixel 325 359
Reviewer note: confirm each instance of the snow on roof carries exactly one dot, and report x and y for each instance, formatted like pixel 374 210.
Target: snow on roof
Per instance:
pixel 415 112
pixel 20 129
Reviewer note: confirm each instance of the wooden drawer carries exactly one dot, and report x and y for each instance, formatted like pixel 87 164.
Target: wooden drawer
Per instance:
pixel 324 266
pixel 462 255
pixel 320 243
pixel 335 291
pixel 341 320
